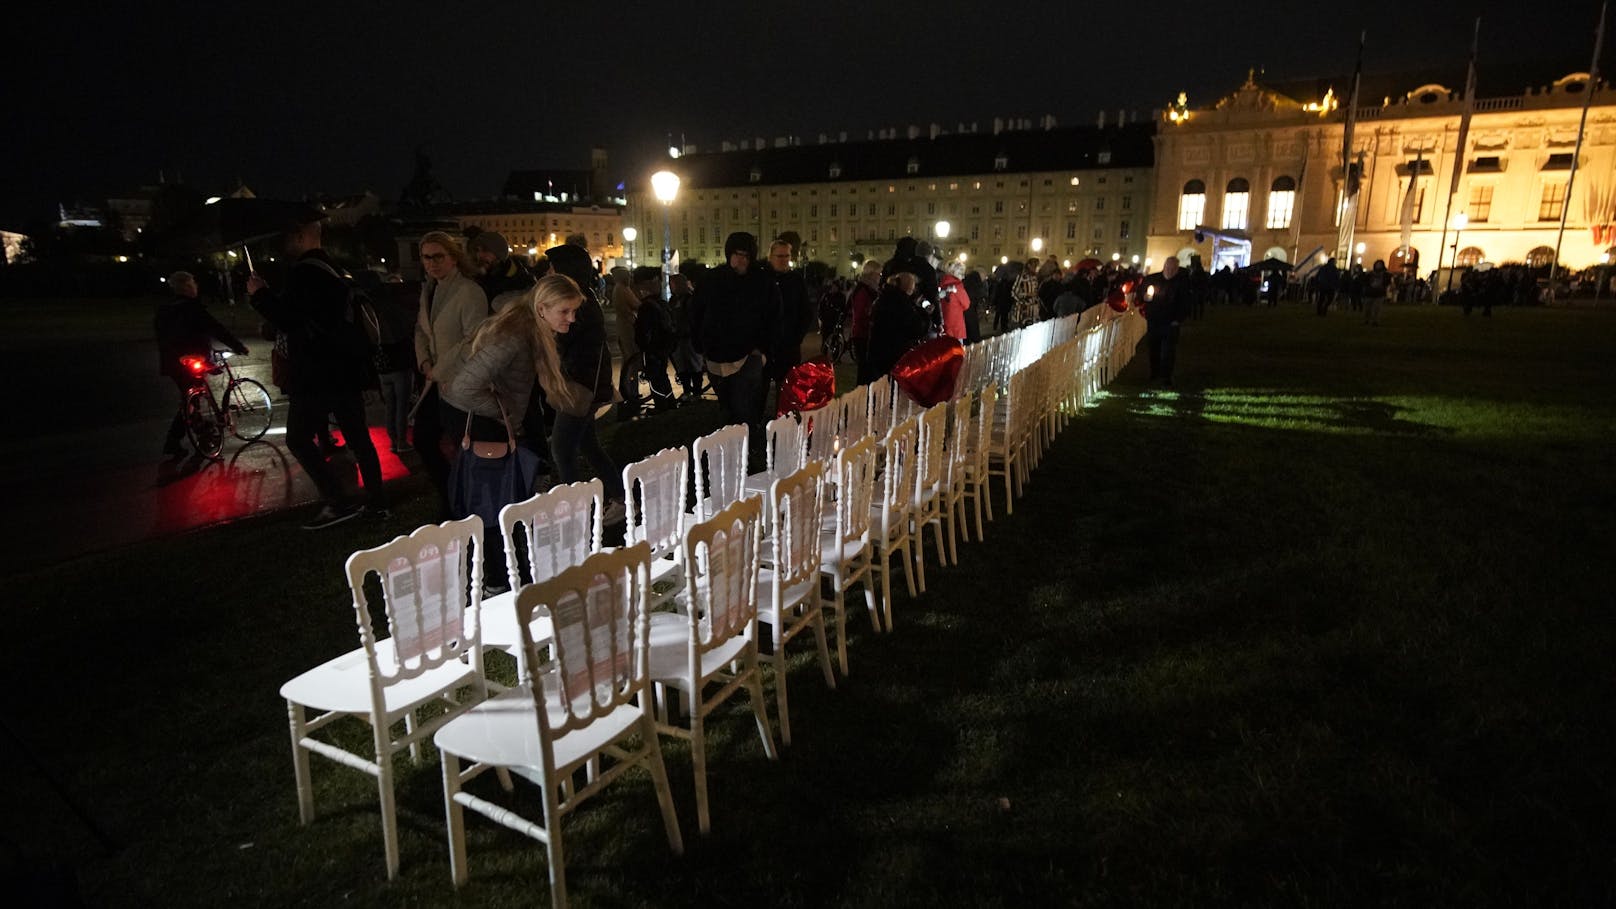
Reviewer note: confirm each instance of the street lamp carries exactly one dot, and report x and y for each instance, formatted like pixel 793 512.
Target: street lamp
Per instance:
pixel 1460 222
pixel 1359 249
pixel 962 258
pixel 665 184
pixel 629 235
pixel 1037 244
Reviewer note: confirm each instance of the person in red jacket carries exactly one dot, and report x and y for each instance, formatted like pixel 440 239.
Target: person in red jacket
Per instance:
pixel 860 302
pixel 954 301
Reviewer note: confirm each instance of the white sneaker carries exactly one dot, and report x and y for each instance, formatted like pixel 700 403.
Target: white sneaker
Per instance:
pixel 330 515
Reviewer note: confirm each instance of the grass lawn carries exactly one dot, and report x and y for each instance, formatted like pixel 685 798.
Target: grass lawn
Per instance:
pixel 1328 624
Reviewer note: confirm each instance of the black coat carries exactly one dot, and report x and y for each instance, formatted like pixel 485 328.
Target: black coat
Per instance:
pixel 1170 301
pixel 185 327
pixel 897 324
pixel 732 314
pixel 326 349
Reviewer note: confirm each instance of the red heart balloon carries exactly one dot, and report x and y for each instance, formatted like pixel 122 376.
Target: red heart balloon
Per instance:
pixel 807 386
pixel 1117 299
pixel 928 373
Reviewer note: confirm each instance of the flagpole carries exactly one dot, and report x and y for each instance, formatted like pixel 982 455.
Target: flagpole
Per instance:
pixel 1349 210
pixel 1582 126
pixel 1458 156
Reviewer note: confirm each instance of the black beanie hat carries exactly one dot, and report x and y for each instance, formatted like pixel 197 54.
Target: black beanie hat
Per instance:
pixel 741 241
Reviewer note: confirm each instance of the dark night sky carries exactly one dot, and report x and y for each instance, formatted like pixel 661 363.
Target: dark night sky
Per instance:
pixel 335 96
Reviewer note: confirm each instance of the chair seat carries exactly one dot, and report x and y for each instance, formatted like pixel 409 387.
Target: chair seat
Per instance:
pixel 834 552
pixel 797 593
pixel 669 644
pixel 503 730
pixel 499 624
pixel 343 684
pixel 758 483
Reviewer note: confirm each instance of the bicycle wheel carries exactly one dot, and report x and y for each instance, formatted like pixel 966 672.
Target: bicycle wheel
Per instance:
pixel 835 345
pixel 250 409
pixel 203 423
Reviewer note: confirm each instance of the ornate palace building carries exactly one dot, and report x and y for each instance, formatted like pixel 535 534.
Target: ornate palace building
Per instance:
pixel 1026 189
pixel 1259 173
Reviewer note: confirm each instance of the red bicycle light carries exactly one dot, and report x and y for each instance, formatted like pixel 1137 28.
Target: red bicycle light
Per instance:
pixel 195 364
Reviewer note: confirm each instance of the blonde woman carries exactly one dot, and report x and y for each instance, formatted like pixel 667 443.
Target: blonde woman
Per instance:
pixel 452 307
pixel 503 358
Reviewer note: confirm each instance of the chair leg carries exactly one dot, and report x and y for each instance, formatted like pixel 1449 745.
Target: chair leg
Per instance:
pixel 918 556
pixel 300 765
pixel 409 733
pixel 504 779
pixel 824 646
pixel 886 588
pixel 755 686
pixel 839 605
pixel 659 778
pixel 698 760
pixel 384 787
pixel 778 659
pixel 908 575
pixel 558 861
pixel 456 818
pixel 937 532
pixel 984 488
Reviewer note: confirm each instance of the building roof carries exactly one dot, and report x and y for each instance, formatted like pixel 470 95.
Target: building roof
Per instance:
pixel 1500 79
pixel 1054 149
pixel 522 184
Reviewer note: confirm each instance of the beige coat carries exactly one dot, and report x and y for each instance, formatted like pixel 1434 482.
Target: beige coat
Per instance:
pixel 451 310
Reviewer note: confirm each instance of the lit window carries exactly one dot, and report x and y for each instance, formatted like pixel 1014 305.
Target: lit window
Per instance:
pixel 1191 205
pixel 913 166
pixel 1281 203
pixel 1552 205
pixel 1480 207
pixel 1236 204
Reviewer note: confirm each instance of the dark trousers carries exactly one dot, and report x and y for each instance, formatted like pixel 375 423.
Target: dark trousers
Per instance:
pixel 573 435
pixel 740 398
pixel 483 429
pixel 176 429
pixel 1161 340
pixel 429 443
pixel 306 415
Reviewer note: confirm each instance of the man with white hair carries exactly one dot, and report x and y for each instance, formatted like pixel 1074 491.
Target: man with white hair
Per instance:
pixel 185 328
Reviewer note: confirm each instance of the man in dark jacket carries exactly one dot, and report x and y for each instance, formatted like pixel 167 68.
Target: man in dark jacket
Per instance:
pixel 185 328
pixel 328 369
pixel 505 278
pixel 733 324
pixel 1166 297
pixel 796 313
pixel 585 361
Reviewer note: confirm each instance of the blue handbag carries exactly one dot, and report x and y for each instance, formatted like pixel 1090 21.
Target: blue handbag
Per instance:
pixel 490 475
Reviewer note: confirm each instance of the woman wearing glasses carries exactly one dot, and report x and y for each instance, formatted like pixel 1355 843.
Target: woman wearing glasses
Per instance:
pixel 452 307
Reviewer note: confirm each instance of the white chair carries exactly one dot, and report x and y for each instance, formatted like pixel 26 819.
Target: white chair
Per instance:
pixel 789 603
pixel 558 529
pixel 431 584
pixel 719 460
pixel 891 516
pixel 784 453
pixel 880 402
pixel 855 415
pixel 586 701
pixel 655 489
pixel 1006 442
pixel 958 474
pixel 714 643
pixel 977 478
pixel 846 554
pixel 931 487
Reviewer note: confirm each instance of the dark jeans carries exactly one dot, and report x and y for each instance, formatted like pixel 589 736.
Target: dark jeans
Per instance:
pixel 176 429
pixel 396 388
pixel 306 416
pixel 740 398
pixel 568 437
pixel 1161 339
pixel 483 429
pixel 429 440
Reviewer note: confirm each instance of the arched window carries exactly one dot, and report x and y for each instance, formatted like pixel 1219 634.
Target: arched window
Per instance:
pixel 1236 204
pixel 1281 203
pixel 1541 257
pixel 1191 205
pixel 1471 256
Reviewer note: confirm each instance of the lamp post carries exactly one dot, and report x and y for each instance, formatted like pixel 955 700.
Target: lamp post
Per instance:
pixel 665 184
pixel 629 236
pixel 941 230
pixel 1037 244
pixel 1460 222
pixel 1359 249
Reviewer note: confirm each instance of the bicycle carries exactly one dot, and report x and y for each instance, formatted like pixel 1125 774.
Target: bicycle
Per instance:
pixel 244 409
pixel 835 344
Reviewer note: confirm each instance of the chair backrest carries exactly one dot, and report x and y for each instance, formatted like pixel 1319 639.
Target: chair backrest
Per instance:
pixel 982 430
pixel 897 496
pixel 721 567
pixel 720 465
pixel 796 505
pixel 655 489
pixel 561 528
pixel 880 398
pixel 931 465
pixel 596 660
pixel 855 415
pixel 855 490
pixel 959 438
pixel 821 427
pixel 431 586
pixel 783 446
